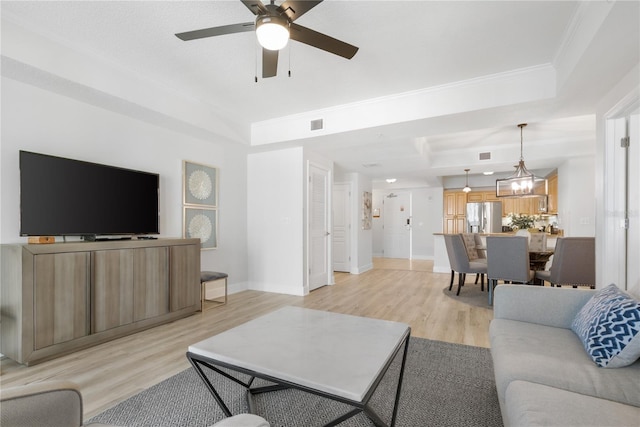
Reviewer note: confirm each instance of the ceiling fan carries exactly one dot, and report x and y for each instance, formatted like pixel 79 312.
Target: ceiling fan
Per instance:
pixel 274 26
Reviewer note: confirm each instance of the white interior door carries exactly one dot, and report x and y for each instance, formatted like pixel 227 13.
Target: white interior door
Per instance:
pixel 397 225
pixel 318 194
pixel 341 227
pixel 621 238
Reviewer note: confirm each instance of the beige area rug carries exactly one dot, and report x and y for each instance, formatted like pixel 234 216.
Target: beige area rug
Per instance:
pixel 469 294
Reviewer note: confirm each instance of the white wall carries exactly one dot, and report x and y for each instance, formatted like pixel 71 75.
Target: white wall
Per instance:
pixel 576 197
pixel 275 221
pixel 362 250
pixel 38 120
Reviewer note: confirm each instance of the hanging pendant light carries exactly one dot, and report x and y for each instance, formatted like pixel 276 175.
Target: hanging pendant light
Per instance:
pixel 466 188
pixel 522 183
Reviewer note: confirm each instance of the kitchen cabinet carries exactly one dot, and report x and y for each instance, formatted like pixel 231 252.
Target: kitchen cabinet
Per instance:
pixel 508 206
pixel 522 206
pixel 455 211
pixel 552 187
pixel 490 196
pixel 475 196
pixel 483 196
pixel 62 297
pixel 455 207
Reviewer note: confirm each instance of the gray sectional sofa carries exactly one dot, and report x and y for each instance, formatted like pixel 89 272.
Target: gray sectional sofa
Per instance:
pixel 544 375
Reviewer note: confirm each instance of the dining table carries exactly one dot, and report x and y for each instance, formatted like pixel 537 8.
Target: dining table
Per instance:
pixel 538 261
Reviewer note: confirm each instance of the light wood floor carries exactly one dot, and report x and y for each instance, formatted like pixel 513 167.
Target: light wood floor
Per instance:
pixel 399 290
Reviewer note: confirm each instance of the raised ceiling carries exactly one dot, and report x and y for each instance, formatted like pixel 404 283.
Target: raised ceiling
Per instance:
pixel 409 51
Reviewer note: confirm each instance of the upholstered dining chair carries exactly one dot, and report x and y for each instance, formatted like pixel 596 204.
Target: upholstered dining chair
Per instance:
pixel 574 263
pixel 507 260
pixel 471 243
pixel 538 242
pixel 459 261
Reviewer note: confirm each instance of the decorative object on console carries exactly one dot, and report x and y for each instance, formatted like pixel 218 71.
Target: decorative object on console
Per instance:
pixel 37 240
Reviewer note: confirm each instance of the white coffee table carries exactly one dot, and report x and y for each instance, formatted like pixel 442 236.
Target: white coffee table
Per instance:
pixel 338 356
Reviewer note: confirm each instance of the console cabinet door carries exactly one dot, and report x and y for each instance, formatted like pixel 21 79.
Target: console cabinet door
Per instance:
pixel 185 276
pixel 151 283
pixel 112 302
pixel 61 298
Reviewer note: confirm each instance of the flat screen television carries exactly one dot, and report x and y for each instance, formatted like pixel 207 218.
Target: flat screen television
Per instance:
pixel 65 197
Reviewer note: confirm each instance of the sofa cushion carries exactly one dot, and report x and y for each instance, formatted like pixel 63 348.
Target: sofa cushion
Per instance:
pixel 556 357
pixel 609 327
pixel 531 404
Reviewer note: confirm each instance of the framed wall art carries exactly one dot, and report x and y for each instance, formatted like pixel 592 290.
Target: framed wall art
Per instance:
pixel 366 211
pixel 201 223
pixel 200 184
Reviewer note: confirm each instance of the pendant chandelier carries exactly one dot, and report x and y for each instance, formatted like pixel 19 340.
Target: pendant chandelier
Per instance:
pixel 522 183
pixel 466 188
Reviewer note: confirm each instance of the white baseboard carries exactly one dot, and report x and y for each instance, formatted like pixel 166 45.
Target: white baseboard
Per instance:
pixel 423 257
pixel 364 268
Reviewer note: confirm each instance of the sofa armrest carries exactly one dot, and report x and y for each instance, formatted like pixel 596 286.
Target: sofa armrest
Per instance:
pixel 538 304
pixel 49 403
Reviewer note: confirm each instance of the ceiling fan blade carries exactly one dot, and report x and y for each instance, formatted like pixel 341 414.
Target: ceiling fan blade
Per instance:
pixel 296 8
pixel 321 41
pixel 216 31
pixel 269 63
pixel 255 6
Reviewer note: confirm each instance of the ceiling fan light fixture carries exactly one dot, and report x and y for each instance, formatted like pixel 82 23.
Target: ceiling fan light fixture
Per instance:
pixel 272 32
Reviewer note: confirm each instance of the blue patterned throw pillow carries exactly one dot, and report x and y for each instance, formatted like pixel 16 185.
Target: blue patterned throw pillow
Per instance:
pixel 609 327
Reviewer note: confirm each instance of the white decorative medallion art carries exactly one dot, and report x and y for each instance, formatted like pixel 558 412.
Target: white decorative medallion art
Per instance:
pixel 200 203
pixel 200 227
pixel 200 184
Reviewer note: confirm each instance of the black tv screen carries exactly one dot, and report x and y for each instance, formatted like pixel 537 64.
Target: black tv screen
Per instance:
pixel 65 197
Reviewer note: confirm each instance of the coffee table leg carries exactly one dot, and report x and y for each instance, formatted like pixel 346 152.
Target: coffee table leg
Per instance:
pixel 196 364
pixel 404 360
pixel 368 410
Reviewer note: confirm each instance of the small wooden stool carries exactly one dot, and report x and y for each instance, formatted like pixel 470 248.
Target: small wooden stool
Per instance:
pixel 212 276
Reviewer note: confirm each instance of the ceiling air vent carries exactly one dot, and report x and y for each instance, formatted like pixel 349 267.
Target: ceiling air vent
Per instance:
pixel 317 124
pixel 485 156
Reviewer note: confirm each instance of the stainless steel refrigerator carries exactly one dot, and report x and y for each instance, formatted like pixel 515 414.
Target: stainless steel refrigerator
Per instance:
pixel 484 217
